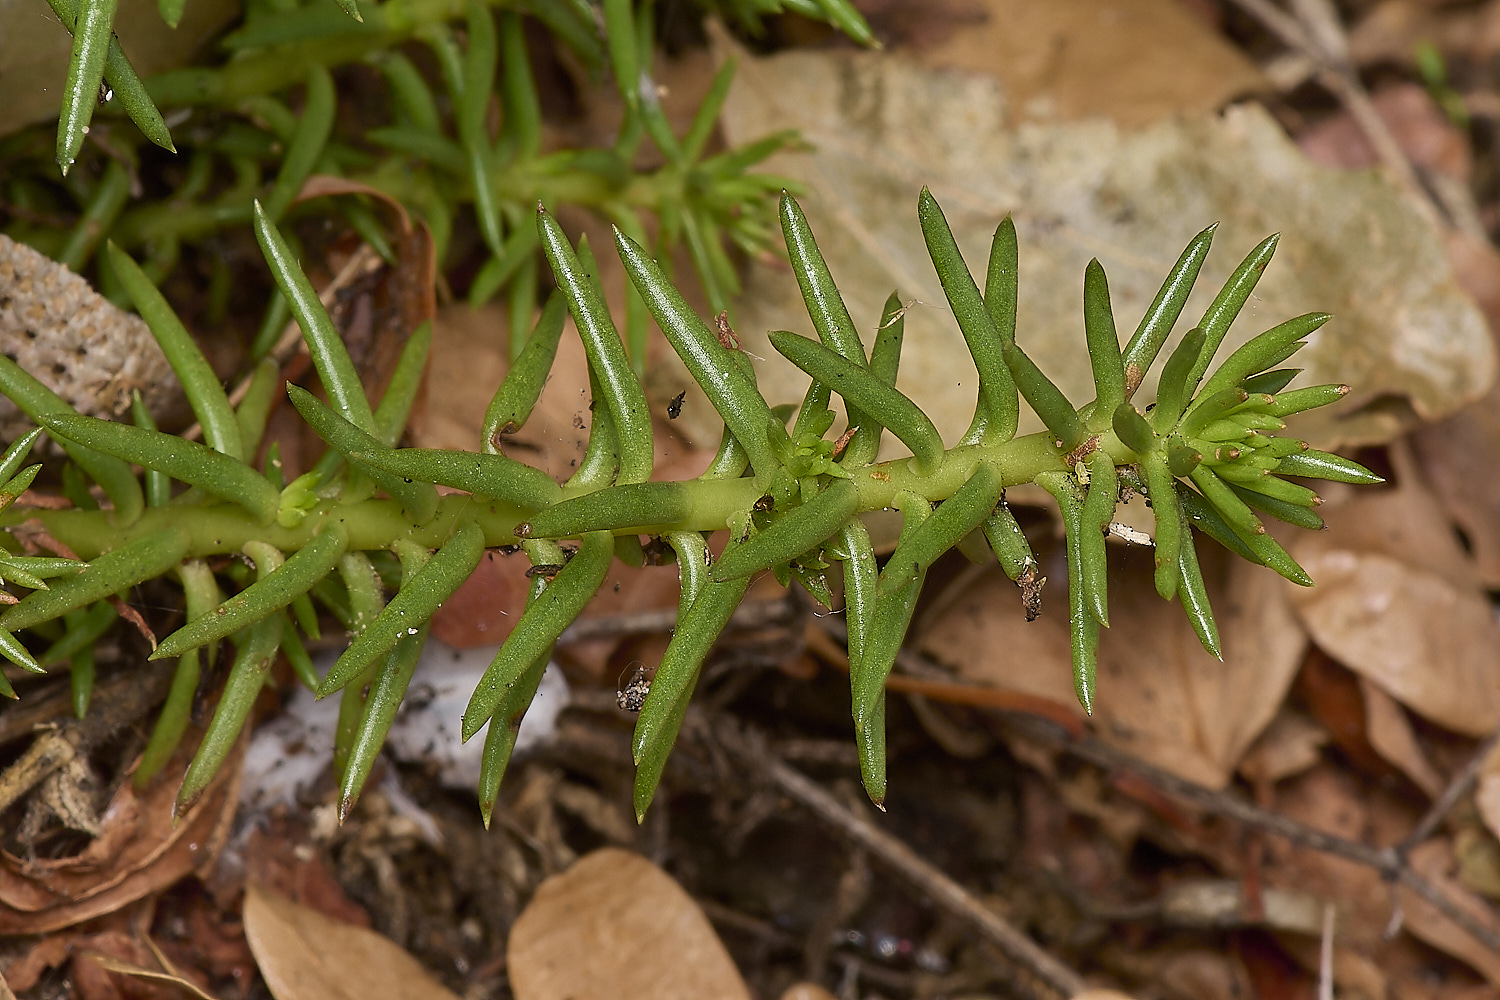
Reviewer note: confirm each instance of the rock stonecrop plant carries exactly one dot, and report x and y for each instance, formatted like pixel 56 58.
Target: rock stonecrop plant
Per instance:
pixel 1206 454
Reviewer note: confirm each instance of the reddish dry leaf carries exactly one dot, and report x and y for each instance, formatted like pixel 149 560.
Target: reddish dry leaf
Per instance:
pixel 1160 696
pixel 616 927
pixel 1399 603
pixel 304 955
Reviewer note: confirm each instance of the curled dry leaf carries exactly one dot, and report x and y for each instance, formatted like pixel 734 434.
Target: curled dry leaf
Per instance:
pixel 138 851
pixel 616 927
pixel 83 347
pixel 304 955
pixel 881 125
pixel 1161 697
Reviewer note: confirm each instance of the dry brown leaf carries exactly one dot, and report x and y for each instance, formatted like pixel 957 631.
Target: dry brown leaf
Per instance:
pixel 1398 602
pixel 139 851
pixel 883 126
pixel 81 345
pixel 1391 734
pixel 1160 696
pixel 1134 61
pixel 1291 744
pixel 1433 860
pixel 1460 454
pixel 110 964
pixel 616 927
pixel 304 955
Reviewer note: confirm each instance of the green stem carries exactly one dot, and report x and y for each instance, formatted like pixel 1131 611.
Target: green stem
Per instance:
pixel 376 524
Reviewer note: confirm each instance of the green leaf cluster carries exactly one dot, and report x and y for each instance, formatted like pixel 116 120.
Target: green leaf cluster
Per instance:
pixel 1207 454
pixel 267 116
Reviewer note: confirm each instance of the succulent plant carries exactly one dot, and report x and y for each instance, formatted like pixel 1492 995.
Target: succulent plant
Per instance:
pixel 1207 454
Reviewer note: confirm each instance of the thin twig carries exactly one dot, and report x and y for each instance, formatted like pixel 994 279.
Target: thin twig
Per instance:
pixel 1388 861
pixel 750 615
pixel 896 855
pixel 1340 78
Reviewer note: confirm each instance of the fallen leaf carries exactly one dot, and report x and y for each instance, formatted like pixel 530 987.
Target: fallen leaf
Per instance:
pixel 1460 454
pixel 1392 737
pixel 1160 696
pixel 882 126
pixel 1291 744
pixel 304 955
pixel 109 964
pixel 140 851
pixel 1398 602
pixel 1135 61
pixel 616 927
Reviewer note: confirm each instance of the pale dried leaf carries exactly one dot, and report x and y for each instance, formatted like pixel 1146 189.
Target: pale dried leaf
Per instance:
pixel 78 343
pixel 1135 61
pixel 1391 734
pixel 616 927
pixel 1398 602
pixel 305 955
pixel 882 126
pixel 1160 696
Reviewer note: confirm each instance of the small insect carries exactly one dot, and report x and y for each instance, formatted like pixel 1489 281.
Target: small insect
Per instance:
pixel 726 332
pixel 765 503
pixel 674 408
pixel 630 694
